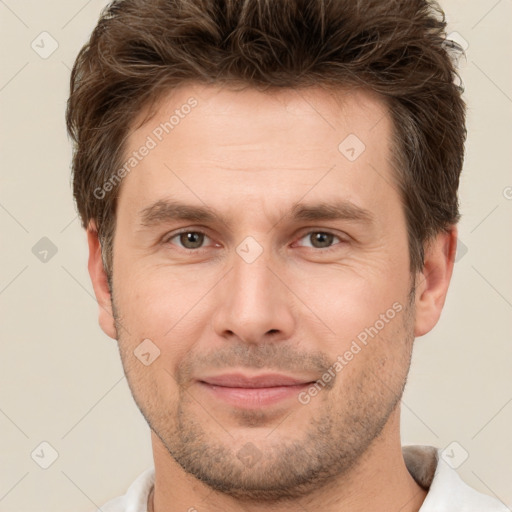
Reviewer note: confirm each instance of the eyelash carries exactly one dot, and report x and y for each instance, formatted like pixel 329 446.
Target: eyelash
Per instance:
pixel 168 239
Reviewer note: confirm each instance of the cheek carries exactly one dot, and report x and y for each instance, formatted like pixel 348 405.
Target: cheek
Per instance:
pixel 377 358
pixel 164 307
pixel 349 303
pixel 157 297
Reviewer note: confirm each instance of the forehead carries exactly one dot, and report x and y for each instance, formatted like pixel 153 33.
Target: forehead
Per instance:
pixel 291 114
pixel 203 139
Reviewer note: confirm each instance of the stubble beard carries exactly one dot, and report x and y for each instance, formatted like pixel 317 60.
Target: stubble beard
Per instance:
pixel 334 443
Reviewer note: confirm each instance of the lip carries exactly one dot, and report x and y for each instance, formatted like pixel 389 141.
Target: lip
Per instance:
pixel 268 380
pixel 253 392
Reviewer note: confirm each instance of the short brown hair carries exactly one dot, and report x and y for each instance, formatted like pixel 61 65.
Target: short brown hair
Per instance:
pixel 141 49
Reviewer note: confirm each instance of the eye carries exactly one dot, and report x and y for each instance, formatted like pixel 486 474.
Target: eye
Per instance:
pixel 193 240
pixel 188 239
pixel 320 239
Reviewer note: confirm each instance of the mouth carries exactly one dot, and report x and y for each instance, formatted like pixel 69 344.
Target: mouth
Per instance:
pixel 258 391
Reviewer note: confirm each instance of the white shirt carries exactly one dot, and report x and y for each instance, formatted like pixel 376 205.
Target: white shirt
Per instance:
pixel 447 492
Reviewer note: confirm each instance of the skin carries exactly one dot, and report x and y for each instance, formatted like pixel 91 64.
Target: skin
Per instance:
pixel 250 156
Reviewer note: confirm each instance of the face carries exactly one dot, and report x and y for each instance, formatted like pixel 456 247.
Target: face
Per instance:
pixel 259 235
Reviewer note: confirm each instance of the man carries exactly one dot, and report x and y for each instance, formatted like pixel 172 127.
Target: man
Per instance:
pixel 269 190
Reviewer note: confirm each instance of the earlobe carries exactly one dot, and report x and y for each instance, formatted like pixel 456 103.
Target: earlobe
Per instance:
pixel 100 283
pixel 433 281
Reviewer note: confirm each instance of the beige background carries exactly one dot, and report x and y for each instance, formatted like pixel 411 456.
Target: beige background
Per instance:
pixel 61 379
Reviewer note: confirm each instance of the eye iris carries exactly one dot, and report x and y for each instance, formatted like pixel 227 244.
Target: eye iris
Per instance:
pixel 193 238
pixel 324 239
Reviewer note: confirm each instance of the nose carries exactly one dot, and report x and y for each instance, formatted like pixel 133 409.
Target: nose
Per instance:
pixel 254 302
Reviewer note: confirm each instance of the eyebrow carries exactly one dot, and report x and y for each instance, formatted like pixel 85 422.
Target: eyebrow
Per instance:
pixel 340 210
pixel 165 211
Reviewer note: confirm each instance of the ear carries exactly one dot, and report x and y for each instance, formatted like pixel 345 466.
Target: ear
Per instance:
pixel 100 283
pixel 433 281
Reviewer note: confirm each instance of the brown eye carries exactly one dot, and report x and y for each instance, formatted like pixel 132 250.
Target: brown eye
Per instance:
pixel 191 239
pixel 188 239
pixel 320 239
